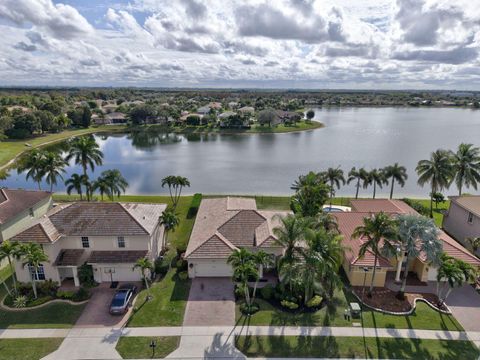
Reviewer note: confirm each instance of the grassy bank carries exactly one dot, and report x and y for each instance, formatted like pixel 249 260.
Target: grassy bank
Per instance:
pixel 28 349
pixel 354 347
pixel 138 347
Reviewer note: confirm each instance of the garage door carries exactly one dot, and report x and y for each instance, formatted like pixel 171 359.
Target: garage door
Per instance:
pixel 120 273
pixel 432 274
pixel 214 269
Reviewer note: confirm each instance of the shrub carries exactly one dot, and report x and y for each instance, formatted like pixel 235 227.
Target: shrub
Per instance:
pixel 314 301
pixel 81 295
pixel 289 304
pixel 239 291
pixel 246 310
pixel 267 292
pixel 48 287
pixel 161 266
pixel 25 289
pixel 40 301
pixel 183 275
pixel 85 275
pixel 182 265
pixel 20 301
pixel 193 209
pixel 65 294
pixel 193 120
pixel 417 206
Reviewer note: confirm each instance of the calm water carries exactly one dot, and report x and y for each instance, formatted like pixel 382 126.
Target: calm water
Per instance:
pixel 267 164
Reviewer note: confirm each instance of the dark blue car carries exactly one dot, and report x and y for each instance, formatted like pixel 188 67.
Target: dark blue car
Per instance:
pixel 122 299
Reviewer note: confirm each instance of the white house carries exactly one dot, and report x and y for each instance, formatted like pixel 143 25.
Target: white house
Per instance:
pixel 108 236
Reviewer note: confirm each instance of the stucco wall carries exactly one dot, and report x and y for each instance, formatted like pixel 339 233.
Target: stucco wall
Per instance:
pixel 456 224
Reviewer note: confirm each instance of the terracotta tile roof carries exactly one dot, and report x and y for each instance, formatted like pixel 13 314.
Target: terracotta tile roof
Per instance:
pixel 116 257
pixel 15 201
pixel 217 247
pixel 69 257
pixel 470 203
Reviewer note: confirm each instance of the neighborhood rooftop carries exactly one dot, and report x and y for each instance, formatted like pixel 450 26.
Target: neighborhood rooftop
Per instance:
pixel 470 203
pixel 14 202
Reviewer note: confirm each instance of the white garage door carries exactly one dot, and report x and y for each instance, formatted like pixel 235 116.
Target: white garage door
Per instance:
pixel 120 273
pixel 213 269
pixel 432 274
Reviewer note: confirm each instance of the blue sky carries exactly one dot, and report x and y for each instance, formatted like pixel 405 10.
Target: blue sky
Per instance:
pixel 361 44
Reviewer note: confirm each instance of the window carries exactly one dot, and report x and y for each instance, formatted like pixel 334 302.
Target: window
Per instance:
pixel 32 214
pixel 121 242
pixel 85 242
pixel 37 275
pixel 470 218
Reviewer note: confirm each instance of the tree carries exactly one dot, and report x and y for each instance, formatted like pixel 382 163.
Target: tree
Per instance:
pixel 266 116
pixel 115 181
pixel 474 243
pixel 54 166
pixel 437 198
pixel 438 171
pixel 170 220
pixel 103 187
pixel 466 164
pixel 453 273
pixel 10 250
pixel 326 221
pixel 310 115
pixel 396 173
pixel 85 152
pixel 243 265
pixel 175 185
pixel 140 113
pixel 289 236
pixel 417 234
pixel 357 176
pixel 33 256
pixel 377 178
pixel 375 229
pixel 76 183
pixel 33 164
pixel 310 195
pixel 145 266
pixel 261 260
pixel 193 120
pixel 334 176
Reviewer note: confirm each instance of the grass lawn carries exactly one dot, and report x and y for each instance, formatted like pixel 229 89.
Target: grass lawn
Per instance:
pixel 354 347
pixel 138 347
pixel 437 212
pixel 11 148
pixel 167 307
pixel 28 349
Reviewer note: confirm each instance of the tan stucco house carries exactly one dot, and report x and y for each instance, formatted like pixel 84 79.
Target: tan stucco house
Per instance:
pixel 108 236
pixel 19 207
pixel 462 220
pixel 355 266
pixel 224 225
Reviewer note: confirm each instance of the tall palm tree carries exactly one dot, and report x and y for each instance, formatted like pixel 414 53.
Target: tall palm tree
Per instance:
pixel 10 250
pixel 103 187
pixel 438 171
pixel 170 220
pixel 357 176
pixel 32 163
pixel 451 273
pixel 377 178
pixel 244 269
pixel 86 153
pixel 396 173
pixel 289 235
pixel 116 182
pixel 33 256
pixel 175 185
pixel 145 266
pixel 261 260
pixel 466 163
pixel 76 183
pixel 375 229
pixel 54 166
pixel 334 176
pixel 310 179
pixel 326 221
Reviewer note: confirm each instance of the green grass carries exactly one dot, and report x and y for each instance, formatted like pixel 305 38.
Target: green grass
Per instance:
pixel 138 347
pixel 28 349
pixel 5 273
pixel 9 149
pixel 354 347
pixel 283 202
pixel 167 307
pixel 437 213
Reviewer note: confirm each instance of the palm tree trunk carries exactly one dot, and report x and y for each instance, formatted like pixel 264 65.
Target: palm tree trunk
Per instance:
pixel 51 187
pixel 331 193
pixel 254 291
pixel 39 185
pixel 404 280
pixel 373 276
pixel 431 203
pixel 358 187
pixel 34 285
pixel 13 274
pixel 460 189
pixel 374 189
pixel 391 189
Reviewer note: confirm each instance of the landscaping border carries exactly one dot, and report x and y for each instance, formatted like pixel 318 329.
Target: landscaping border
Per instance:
pixel 53 301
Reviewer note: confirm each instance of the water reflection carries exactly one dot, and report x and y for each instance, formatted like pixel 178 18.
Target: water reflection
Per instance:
pixel 150 139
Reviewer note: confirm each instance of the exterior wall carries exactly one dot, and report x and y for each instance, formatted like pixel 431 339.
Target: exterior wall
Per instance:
pixel 357 277
pixel 455 223
pixel 51 272
pixel 421 269
pixel 209 267
pixel 119 272
pixel 23 220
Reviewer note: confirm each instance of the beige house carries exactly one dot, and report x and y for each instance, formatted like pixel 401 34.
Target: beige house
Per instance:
pixel 108 236
pixel 224 225
pixel 19 207
pixel 355 266
pixel 462 219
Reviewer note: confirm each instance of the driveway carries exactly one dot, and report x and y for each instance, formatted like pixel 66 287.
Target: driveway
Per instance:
pixel 465 305
pixel 211 302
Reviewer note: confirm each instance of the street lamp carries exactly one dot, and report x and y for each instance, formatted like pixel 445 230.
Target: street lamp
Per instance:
pixel 365 271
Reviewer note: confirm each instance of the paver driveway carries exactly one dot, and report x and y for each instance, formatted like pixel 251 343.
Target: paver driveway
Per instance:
pixel 211 302
pixel 465 305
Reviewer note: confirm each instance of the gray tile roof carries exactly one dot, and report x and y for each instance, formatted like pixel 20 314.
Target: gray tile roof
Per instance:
pixel 116 257
pixel 15 201
pixel 69 257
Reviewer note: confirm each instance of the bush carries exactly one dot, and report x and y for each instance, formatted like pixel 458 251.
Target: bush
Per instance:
pixel 85 275
pixel 40 301
pixel 417 206
pixel 161 266
pixel 20 301
pixel 289 304
pixel 48 287
pixel 193 209
pixel 193 120
pixel 182 265
pixel 183 275
pixel 66 294
pixel 81 295
pixel 239 291
pixel 267 292
pixel 246 310
pixel 314 301
pixel 25 289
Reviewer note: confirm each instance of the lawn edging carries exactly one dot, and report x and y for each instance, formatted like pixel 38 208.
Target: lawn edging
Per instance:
pixel 53 301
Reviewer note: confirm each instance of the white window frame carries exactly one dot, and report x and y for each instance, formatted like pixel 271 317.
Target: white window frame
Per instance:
pixel 88 242
pixel 38 275
pixel 470 218
pixel 121 238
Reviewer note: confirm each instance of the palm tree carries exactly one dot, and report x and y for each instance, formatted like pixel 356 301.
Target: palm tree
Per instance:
pixel 438 171
pixel 86 153
pixel 375 229
pixel 261 260
pixel 357 176
pixel 311 179
pixel 244 269
pixel 103 187
pixel 474 243
pixel 377 178
pixel 334 176
pixel 170 220
pixel 32 163
pixel 396 173
pixel 145 266
pixel 326 221
pixel 452 273
pixel 175 185
pixel 76 183
pixel 54 166
pixel 116 182
pixel 417 234
pixel 10 250
pixel 289 235
pixel 33 257
pixel 466 163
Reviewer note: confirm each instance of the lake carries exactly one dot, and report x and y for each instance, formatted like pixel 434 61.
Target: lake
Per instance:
pixel 269 163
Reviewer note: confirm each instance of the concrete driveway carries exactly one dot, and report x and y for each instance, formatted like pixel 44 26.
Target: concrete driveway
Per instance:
pixel 211 302
pixel 465 305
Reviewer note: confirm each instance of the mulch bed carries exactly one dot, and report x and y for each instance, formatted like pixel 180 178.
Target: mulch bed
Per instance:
pixel 386 299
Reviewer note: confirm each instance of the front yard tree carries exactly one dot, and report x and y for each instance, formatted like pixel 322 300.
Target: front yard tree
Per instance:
pixel 244 269
pixel 170 220
pixel 261 260
pixel 375 229
pixel 145 266
pixel 334 176
pixel 452 273
pixel 266 116
pixel 33 256
pixel 466 163
pixel 289 236
pixel 102 186
pixel 396 173
pixel 175 185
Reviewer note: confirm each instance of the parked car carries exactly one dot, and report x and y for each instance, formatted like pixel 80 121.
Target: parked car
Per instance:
pixel 122 299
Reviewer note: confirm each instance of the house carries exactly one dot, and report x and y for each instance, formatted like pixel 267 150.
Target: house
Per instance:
pixel 355 266
pixel 215 105
pixel 109 108
pixel 115 118
pixel 19 207
pixel 224 225
pixel 108 236
pixel 225 115
pixel 282 117
pixel 246 110
pixel 204 110
pixel 462 220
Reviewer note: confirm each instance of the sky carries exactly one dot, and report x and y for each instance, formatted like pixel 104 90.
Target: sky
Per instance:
pixel 309 44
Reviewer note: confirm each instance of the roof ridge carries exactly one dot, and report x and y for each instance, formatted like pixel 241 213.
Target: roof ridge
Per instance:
pixel 133 217
pixel 220 237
